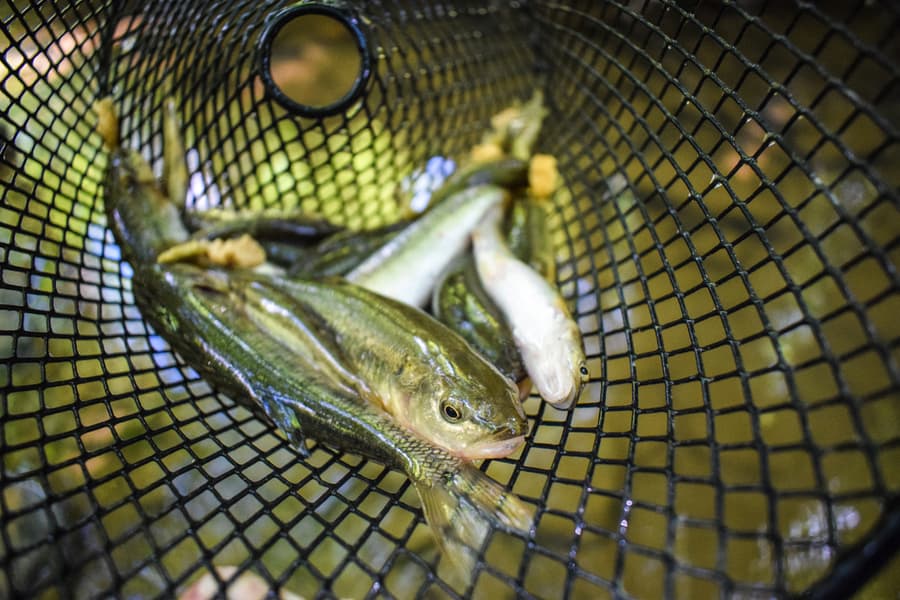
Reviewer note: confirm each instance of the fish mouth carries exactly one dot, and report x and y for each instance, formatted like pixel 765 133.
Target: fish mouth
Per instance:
pixel 492 448
pixel 560 391
pixel 565 402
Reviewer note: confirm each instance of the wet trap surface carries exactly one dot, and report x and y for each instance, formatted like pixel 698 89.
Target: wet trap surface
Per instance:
pixel 727 237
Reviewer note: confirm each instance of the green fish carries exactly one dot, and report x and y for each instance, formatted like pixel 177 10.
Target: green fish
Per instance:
pixel 424 374
pixel 340 253
pixel 460 303
pixel 344 251
pixel 335 255
pixel 276 225
pixel 529 237
pixel 287 254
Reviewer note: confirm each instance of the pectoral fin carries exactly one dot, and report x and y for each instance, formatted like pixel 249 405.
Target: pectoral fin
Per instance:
pixel 462 508
pixel 284 418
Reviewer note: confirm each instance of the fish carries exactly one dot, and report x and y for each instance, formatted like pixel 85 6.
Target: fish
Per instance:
pixel 460 302
pixel 340 253
pixel 313 247
pixel 175 172
pixel 545 333
pixel 446 392
pixel 515 129
pixel 207 317
pixel 275 225
pixel 144 221
pixel 335 255
pixel 505 172
pixel 529 238
pixel 305 258
pixel 502 171
pixel 407 267
pixel 285 375
pixel 287 254
pixel 420 371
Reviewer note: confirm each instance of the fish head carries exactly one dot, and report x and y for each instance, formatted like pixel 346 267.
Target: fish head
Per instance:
pixel 473 419
pixel 143 221
pixel 560 382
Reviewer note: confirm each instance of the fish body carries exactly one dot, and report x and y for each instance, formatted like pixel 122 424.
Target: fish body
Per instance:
pixel 461 303
pixel 425 375
pixel 545 333
pixel 334 255
pixel 175 173
pixel 287 254
pixel 505 172
pixel 208 316
pixel 143 220
pixel 282 226
pixel 529 238
pixel 515 130
pixel 340 253
pixel 407 267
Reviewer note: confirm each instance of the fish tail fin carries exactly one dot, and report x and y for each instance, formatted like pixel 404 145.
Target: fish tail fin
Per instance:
pixel 174 165
pixel 107 122
pixel 462 507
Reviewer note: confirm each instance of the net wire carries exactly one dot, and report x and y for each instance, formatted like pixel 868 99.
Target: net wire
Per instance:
pixel 727 237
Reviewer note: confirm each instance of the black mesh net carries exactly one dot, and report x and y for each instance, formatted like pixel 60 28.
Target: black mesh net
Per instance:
pixel 728 236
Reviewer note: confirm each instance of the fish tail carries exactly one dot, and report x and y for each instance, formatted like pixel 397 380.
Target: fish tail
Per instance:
pixel 174 166
pixel 107 122
pixel 462 507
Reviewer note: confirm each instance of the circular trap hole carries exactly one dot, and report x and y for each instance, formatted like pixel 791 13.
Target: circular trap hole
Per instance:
pixel 315 58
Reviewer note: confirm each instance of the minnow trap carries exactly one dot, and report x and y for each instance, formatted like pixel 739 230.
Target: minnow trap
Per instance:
pixel 727 236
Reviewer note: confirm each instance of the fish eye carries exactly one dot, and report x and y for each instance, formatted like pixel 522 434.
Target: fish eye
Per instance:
pixel 584 371
pixel 451 413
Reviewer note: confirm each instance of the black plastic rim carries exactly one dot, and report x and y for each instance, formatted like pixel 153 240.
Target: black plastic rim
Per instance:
pixel 278 20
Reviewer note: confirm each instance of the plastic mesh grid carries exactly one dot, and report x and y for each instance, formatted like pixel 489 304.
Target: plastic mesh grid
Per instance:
pixel 727 235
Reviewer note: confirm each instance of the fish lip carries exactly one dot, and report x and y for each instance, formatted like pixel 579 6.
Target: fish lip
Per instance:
pixel 492 448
